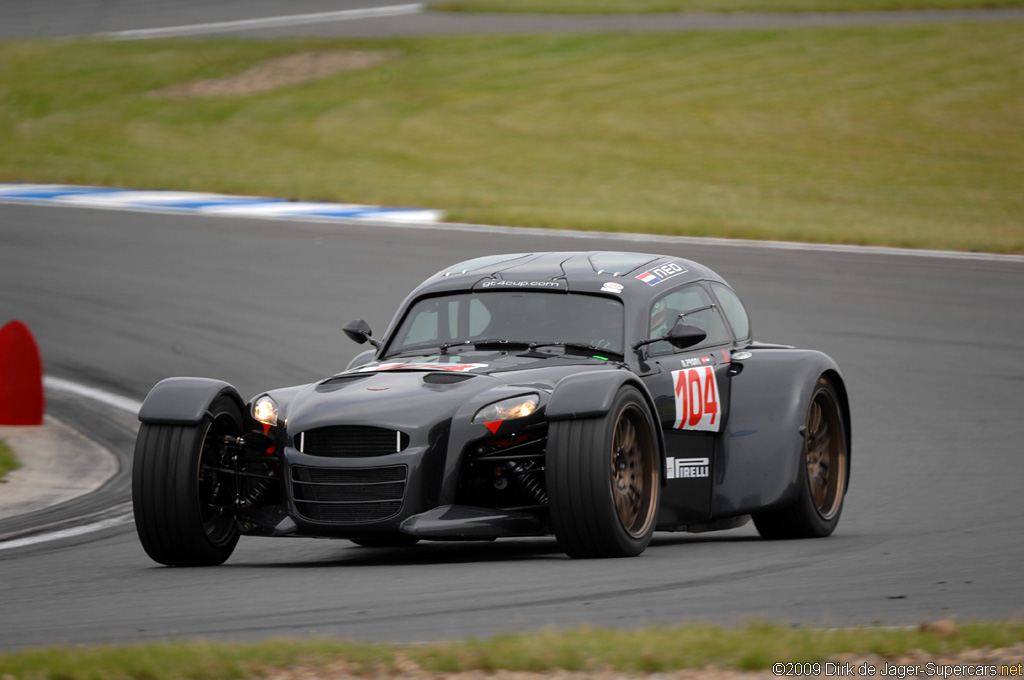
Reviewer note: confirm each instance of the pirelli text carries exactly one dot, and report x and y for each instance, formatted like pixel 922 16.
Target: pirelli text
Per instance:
pixel 830 669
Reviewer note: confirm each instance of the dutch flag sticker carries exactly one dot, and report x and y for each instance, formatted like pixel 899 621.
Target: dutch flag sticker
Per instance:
pixel 649 278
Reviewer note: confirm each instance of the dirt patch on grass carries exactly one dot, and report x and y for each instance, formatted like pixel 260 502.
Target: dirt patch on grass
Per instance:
pixel 273 74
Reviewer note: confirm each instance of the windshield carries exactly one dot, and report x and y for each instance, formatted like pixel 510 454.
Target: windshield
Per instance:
pixel 519 316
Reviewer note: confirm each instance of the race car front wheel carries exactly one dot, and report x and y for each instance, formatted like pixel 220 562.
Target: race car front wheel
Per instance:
pixel 182 497
pixel 822 474
pixel 603 478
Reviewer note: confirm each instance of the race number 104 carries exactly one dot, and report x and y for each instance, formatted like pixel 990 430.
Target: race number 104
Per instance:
pixel 697 406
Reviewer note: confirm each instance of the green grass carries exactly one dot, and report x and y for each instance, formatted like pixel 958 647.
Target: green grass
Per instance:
pixel 755 646
pixel 648 6
pixel 7 460
pixel 902 136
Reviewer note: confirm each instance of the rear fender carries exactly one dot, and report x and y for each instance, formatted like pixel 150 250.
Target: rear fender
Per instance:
pixel 844 404
pixel 757 461
pixel 184 401
pixel 590 395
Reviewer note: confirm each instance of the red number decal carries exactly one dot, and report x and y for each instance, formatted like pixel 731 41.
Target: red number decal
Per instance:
pixel 681 395
pixel 697 401
pixel 710 397
pixel 693 380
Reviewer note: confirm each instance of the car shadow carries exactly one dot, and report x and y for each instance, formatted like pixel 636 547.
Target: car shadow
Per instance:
pixel 426 552
pixel 682 538
pixel 465 552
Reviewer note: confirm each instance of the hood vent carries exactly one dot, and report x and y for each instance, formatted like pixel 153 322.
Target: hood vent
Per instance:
pixel 446 378
pixel 339 381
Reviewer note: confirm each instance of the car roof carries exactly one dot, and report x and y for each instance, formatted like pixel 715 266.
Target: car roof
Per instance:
pixel 643 275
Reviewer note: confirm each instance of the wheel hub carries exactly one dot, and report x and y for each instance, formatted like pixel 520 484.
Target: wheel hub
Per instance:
pixel 825 455
pixel 632 475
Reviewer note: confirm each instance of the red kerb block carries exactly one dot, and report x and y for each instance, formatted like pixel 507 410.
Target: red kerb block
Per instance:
pixel 21 377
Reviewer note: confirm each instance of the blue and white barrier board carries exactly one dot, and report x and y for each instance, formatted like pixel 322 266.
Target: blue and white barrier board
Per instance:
pixel 205 204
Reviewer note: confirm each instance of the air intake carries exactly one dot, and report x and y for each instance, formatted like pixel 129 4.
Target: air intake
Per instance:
pixel 339 381
pixel 351 441
pixel 347 496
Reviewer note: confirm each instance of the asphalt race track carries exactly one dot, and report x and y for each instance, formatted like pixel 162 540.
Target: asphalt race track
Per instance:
pixel 930 348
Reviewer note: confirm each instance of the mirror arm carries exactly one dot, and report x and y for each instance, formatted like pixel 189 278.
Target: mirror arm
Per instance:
pixel 643 343
pixel 694 311
pixel 641 355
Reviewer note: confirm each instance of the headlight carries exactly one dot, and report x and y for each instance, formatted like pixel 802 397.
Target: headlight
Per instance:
pixel 265 411
pixel 507 409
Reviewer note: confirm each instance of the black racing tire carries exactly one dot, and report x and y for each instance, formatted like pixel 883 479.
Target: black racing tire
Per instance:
pixel 604 480
pixel 399 541
pixel 183 510
pixel 823 473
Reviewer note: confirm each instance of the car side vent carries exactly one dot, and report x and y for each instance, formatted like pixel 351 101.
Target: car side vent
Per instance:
pixel 351 441
pixel 446 378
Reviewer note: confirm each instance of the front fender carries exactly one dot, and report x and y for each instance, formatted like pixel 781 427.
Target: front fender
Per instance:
pixel 590 395
pixel 361 359
pixel 184 401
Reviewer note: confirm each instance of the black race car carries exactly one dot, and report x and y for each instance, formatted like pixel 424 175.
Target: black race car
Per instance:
pixel 595 396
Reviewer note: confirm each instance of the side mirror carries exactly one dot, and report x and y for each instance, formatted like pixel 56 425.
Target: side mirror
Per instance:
pixel 682 335
pixel 359 332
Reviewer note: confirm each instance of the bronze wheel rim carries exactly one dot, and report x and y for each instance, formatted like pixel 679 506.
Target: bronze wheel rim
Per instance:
pixel 825 454
pixel 634 472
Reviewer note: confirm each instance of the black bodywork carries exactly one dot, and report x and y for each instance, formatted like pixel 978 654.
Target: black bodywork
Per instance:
pixel 389 448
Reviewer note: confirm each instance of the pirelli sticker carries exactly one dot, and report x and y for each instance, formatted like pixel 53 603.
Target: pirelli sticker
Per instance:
pixel 697 404
pixel 686 468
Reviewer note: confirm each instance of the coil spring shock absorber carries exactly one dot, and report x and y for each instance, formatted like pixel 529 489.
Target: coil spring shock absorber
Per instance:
pixel 249 489
pixel 529 481
pixel 256 492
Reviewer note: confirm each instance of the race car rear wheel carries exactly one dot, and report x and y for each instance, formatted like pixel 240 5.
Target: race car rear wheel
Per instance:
pixel 604 480
pixel 822 474
pixel 182 497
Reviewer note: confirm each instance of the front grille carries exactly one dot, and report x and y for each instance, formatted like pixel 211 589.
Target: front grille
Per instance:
pixel 378 475
pixel 351 441
pixel 355 514
pixel 347 496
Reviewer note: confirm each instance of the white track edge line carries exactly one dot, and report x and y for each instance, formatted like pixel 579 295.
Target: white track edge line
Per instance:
pixel 267 22
pixel 578 234
pixel 712 241
pixel 120 520
pixel 109 398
